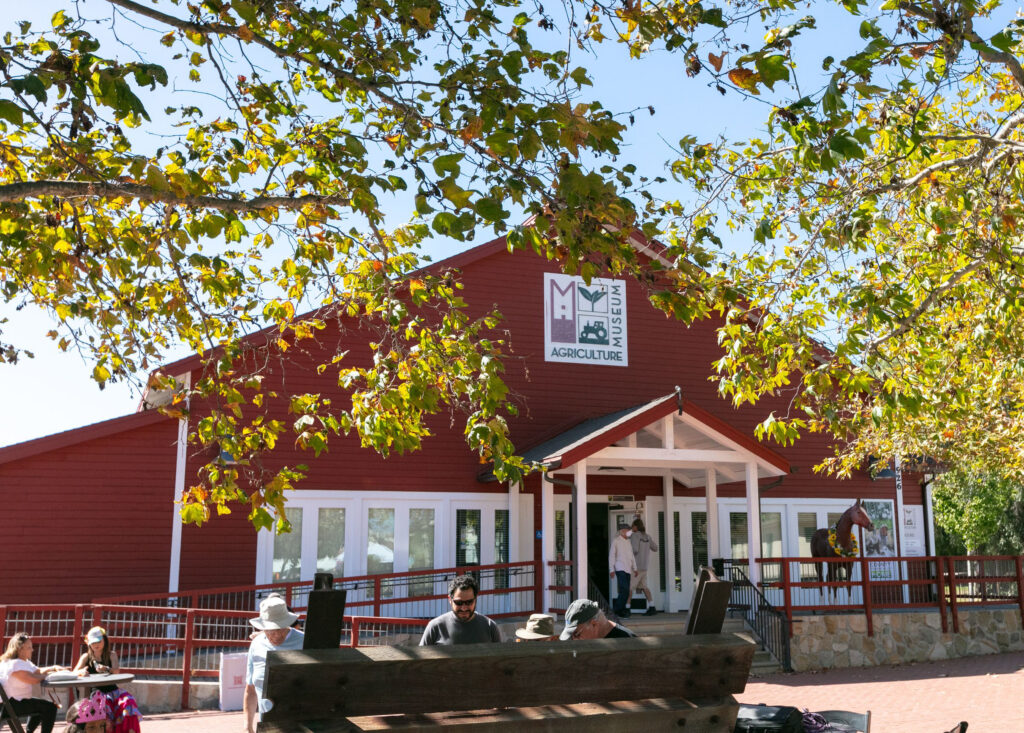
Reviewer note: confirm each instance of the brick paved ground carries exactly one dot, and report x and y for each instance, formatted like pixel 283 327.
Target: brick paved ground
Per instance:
pixel 987 692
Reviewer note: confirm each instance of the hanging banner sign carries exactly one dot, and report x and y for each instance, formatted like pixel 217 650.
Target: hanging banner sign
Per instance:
pixel 585 324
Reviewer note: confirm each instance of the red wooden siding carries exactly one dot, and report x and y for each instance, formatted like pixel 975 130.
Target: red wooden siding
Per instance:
pixel 89 518
pixel 118 483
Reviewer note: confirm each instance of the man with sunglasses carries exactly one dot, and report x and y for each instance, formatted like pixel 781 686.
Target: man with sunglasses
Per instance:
pixel 461 625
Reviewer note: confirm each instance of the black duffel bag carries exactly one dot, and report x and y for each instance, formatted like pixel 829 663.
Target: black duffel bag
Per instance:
pixel 768 719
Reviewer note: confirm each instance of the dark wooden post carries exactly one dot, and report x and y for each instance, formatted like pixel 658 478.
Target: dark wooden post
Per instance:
pixel 1019 563
pixel 786 601
pixel 186 662
pixel 865 581
pixel 539 590
pixel 940 581
pixel 952 595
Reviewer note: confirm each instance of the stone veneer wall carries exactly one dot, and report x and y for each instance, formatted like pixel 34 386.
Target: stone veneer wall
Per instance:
pixel 824 642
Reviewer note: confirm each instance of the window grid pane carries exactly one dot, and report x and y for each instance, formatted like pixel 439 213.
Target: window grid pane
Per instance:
pixel 678 554
pixel 699 532
pixel 501 546
pixel 738 535
pixel 467 537
pixel 287 564
pixel 330 542
pixel 661 545
pixel 421 549
pixel 380 546
pixel 807 525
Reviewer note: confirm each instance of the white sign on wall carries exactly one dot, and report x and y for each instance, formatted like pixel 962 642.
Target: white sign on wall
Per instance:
pixel 912 535
pixel 585 324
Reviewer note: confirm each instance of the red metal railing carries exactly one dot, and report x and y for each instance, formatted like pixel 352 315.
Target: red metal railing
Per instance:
pixel 887 583
pixel 560 591
pixel 155 642
pixel 506 590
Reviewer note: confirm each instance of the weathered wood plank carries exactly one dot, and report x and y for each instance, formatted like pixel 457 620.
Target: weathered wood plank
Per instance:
pixel 315 685
pixel 709 716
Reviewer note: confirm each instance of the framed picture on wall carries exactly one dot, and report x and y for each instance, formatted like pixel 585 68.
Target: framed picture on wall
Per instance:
pixel 882 541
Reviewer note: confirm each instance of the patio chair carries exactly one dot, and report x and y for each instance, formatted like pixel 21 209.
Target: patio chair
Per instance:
pixel 7 714
pixel 849 720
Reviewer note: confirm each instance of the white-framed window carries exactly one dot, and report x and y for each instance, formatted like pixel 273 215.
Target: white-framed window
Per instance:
pixel 384 532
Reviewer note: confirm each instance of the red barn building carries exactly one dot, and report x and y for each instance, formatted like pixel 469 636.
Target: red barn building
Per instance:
pixel 596 369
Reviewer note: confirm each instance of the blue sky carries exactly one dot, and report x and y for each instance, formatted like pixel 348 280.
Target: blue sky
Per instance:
pixel 54 391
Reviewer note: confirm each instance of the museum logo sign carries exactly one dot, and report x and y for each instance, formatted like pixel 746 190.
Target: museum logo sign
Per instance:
pixel 585 324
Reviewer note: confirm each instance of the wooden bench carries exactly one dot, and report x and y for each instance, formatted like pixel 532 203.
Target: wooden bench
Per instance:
pixel 648 683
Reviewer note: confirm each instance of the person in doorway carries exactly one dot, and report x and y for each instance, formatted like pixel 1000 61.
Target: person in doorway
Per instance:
pixel 99 658
pixel 461 625
pixel 643 545
pixel 275 622
pixel 18 674
pixel 584 619
pixel 622 567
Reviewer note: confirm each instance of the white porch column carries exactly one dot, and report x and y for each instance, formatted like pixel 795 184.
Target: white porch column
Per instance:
pixel 668 431
pixel 711 509
pixel 580 506
pixel 670 541
pixel 181 459
pixel 547 538
pixel 514 488
pixel 897 522
pixel 753 523
pixel 929 513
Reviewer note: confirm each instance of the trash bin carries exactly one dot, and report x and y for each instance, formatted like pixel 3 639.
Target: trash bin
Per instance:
pixel 232 681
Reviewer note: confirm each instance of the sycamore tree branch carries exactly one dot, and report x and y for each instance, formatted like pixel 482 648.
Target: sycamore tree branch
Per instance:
pixel 924 173
pixel 905 324
pixel 100 189
pixel 967 33
pixel 247 35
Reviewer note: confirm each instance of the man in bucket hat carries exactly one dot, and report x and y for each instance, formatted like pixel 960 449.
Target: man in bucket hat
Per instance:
pixel 585 620
pixel 275 624
pixel 540 627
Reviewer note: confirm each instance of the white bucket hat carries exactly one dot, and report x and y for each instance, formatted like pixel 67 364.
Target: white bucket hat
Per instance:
pixel 274 614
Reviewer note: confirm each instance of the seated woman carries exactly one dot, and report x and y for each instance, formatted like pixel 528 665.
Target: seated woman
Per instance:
pixel 17 675
pixel 99 658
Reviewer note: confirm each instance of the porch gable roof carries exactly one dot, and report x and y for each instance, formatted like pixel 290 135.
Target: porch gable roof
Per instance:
pixel 597 438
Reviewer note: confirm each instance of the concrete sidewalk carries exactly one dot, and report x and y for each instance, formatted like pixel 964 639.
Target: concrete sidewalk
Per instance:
pixel 987 692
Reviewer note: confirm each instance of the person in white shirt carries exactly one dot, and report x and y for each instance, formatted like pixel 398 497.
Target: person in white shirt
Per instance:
pixel 18 674
pixel 622 567
pixel 275 622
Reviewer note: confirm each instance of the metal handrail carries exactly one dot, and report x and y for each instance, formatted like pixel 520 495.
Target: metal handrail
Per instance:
pixel 768 624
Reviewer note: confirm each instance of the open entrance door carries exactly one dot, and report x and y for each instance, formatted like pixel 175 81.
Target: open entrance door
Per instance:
pixel 598 539
pixel 615 518
pixel 691 540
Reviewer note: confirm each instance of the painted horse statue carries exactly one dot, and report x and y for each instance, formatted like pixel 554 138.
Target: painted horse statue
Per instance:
pixel 838 541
